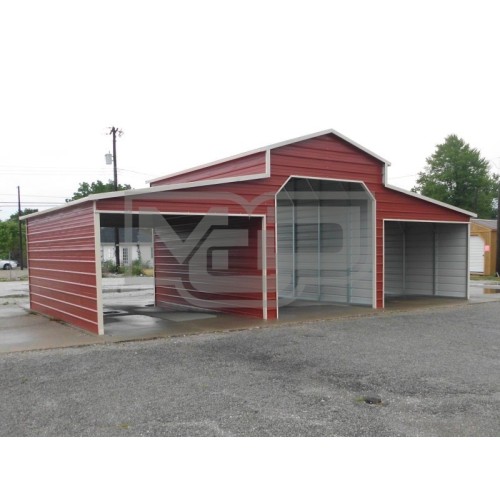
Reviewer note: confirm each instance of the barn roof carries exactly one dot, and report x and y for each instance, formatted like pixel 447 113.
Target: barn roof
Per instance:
pixel 225 180
pixel 268 149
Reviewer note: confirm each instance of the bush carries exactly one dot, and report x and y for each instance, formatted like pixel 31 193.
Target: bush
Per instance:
pixel 136 269
pixel 109 267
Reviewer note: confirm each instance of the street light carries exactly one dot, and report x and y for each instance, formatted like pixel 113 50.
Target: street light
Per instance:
pixel 108 157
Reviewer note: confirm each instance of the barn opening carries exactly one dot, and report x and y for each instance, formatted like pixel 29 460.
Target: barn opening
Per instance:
pixel 426 259
pixel 325 239
pixel 202 263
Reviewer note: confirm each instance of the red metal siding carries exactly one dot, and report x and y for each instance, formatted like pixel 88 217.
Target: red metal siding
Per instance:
pixel 62 267
pixel 194 279
pixel 247 165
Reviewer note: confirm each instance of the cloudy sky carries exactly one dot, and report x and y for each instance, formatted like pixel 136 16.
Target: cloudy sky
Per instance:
pixel 194 81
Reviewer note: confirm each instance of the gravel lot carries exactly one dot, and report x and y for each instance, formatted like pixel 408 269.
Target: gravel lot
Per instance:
pixel 437 373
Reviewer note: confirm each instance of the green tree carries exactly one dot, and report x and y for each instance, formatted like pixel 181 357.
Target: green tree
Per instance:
pixel 26 211
pixel 457 174
pixel 9 236
pixel 85 189
pixel 9 239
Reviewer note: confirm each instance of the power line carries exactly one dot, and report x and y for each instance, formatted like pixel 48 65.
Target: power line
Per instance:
pixel 33 195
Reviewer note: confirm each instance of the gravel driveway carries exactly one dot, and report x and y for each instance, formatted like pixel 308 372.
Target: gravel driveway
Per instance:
pixel 436 372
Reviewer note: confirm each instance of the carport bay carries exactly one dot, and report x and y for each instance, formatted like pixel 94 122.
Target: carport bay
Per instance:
pixel 426 258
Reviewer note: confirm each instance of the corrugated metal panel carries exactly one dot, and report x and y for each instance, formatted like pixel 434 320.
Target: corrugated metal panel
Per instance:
pixel 451 260
pixel 247 165
pixel 286 248
pixel 62 266
pixel 426 259
pixel 394 258
pixel 209 263
pixel 419 261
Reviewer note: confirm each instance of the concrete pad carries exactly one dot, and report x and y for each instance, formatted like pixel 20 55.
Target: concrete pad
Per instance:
pixel 130 316
pixel 187 316
pixel 24 331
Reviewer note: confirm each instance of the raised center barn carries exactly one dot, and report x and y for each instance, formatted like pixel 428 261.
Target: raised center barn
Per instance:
pixel 307 219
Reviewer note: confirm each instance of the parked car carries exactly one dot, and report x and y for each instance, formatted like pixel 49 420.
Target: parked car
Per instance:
pixel 8 264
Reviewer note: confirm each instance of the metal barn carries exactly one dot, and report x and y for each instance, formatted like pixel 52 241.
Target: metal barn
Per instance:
pixel 309 219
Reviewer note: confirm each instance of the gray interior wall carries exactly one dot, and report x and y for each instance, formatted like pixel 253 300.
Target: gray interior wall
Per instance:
pixel 325 246
pixel 419 259
pixel 425 259
pixel 452 256
pixel 286 238
pixel 394 262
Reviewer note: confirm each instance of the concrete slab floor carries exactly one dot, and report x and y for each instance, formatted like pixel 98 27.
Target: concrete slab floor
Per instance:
pixel 131 316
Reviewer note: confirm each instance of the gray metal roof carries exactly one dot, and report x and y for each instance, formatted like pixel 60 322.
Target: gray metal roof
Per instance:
pixel 489 223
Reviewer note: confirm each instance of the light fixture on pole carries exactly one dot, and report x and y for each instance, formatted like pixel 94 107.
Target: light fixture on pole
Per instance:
pixel 108 157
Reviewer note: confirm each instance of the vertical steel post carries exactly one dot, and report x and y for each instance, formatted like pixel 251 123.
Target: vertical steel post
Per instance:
pixel 20 227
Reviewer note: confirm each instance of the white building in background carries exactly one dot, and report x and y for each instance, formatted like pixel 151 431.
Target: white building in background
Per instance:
pixel 134 243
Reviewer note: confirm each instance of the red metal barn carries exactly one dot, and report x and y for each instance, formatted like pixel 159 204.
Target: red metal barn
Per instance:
pixel 307 219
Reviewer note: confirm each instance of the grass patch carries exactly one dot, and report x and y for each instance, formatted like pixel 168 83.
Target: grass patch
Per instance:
pixel 476 277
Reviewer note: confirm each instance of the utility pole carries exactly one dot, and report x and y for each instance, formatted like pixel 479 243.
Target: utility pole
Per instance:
pixel 114 131
pixel 20 227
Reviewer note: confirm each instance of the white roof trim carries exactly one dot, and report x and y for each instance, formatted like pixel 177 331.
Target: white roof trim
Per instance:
pixel 430 200
pixel 267 150
pixel 206 165
pixel 150 190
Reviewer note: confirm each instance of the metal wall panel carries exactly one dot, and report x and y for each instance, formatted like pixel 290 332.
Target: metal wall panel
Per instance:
pixel 426 259
pixel 451 260
pixel 419 260
pixel 62 266
pixel 286 249
pixel 394 266
pixel 211 263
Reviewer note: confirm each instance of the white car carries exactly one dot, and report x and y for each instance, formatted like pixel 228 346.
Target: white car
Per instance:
pixel 8 264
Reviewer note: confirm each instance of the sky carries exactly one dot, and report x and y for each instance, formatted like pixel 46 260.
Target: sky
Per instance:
pixel 194 81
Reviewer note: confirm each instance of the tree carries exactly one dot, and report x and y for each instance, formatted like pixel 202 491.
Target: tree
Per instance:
pixel 85 189
pixel 9 236
pixel 26 211
pixel 457 174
